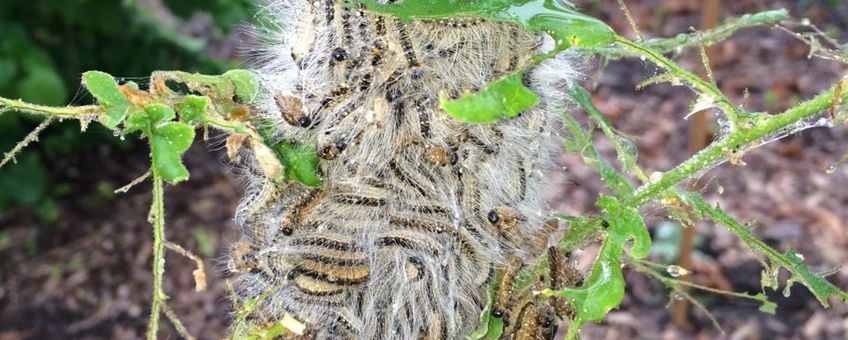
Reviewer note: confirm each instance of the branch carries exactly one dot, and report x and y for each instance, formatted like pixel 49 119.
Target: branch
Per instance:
pixel 77 112
pixel 718 151
pixel 709 37
pixel 706 88
pixel 31 137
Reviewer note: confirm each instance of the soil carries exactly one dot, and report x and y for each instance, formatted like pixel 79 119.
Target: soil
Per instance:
pixel 87 276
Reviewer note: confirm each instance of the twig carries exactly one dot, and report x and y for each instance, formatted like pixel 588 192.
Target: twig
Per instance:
pixel 124 189
pixel 78 112
pixel 199 273
pixel 681 42
pixel 31 137
pixel 175 320
pixel 632 22
pixel 706 88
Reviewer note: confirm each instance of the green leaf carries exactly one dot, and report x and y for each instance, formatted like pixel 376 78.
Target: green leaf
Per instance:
pixel 193 109
pixel 159 113
pixel 146 120
pixel 103 87
pixel 138 120
pixel 490 327
pixel 300 161
pixel 495 328
pixel 767 306
pixel 821 288
pixel 240 86
pixel 625 223
pixel 168 139
pixel 568 27
pixel 500 99
pixel 167 144
pixel 602 292
pixel 605 288
pixel 244 83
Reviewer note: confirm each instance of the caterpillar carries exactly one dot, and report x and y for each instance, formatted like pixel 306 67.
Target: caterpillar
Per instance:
pixel 417 210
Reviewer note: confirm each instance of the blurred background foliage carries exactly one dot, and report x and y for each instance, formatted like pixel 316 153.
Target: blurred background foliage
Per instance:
pixel 46 44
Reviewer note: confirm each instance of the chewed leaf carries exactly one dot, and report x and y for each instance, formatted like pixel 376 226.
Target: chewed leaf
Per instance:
pixel 245 85
pixel 485 315
pixel 103 87
pixel 501 99
pixel 821 288
pixel 605 288
pixel 602 292
pixel 626 223
pixel 167 144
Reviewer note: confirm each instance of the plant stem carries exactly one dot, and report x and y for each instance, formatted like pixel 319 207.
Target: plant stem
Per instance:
pixel 157 217
pixel 717 151
pixel 573 330
pixel 706 88
pixel 708 37
pixel 31 137
pixel 65 111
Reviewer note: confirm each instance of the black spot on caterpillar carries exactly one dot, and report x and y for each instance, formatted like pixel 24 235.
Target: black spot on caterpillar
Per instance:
pixel 412 218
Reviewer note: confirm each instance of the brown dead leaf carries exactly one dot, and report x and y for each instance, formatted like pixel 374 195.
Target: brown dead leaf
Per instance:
pixel 234 143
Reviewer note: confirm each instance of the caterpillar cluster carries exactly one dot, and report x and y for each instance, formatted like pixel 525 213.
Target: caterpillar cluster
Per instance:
pixel 417 210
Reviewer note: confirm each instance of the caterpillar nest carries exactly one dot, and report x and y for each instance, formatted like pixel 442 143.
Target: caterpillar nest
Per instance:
pixel 417 210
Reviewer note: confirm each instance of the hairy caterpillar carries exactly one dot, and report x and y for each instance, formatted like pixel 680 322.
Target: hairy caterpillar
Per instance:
pixel 417 209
